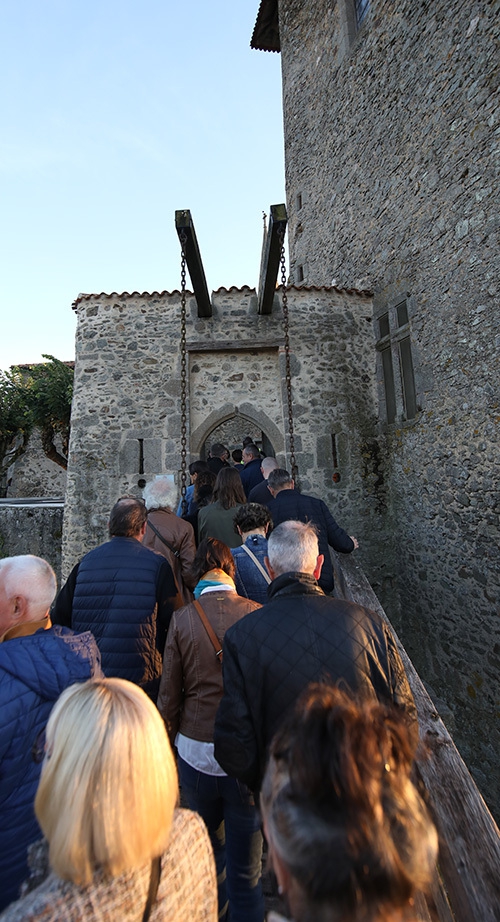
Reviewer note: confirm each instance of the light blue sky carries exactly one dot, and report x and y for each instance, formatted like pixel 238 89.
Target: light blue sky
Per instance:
pixel 114 114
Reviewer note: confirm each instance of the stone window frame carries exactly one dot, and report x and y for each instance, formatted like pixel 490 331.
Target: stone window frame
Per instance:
pixel 396 362
pixel 354 15
pixel 361 9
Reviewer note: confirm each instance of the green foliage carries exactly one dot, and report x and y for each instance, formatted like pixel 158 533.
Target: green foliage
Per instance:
pixel 16 420
pixel 50 391
pixel 37 397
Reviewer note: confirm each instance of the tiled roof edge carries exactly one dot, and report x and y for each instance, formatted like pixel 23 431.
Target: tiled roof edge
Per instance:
pixel 364 292
pixel 266 33
pixel 125 294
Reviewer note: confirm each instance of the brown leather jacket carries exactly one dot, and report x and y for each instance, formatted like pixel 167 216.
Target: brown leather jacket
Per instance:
pixel 180 535
pixel 191 682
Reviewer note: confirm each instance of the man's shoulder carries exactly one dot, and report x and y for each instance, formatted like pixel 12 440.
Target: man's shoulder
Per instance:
pixel 247 625
pixel 352 616
pixel 260 494
pixel 49 656
pixel 121 547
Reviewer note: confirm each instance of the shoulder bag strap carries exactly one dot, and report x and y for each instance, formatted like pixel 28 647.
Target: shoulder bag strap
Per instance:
pixel 257 563
pixel 165 542
pixel 210 631
pixel 154 881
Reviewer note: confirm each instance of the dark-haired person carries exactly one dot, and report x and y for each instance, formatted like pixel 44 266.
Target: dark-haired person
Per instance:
pixel 203 496
pixel 251 474
pixel 349 837
pixel 190 691
pixel 252 522
pixel 288 504
pixel 217 519
pixel 125 594
pixel 195 468
pixel 219 457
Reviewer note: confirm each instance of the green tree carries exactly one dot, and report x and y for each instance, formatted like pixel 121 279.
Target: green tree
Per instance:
pixel 50 391
pixel 16 421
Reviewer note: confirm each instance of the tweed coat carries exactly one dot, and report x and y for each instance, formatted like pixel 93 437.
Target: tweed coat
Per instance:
pixel 187 888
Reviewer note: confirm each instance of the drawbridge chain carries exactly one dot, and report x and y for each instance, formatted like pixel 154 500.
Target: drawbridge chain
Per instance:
pixel 183 240
pixel 288 374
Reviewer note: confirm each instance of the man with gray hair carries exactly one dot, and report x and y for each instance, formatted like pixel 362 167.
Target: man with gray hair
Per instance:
pixel 288 504
pixel 251 474
pixel 300 636
pixel 260 493
pixel 37 662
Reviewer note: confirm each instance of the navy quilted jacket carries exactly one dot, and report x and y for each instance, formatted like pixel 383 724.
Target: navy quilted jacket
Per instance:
pixel 272 654
pixel 115 597
pixel 34 670
pixel 290 504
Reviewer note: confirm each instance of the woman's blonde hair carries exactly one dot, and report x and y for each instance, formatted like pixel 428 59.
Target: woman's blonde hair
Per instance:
pixel 108 787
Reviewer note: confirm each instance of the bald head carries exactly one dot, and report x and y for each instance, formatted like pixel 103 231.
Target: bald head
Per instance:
pixel 27 589
pixel 268 465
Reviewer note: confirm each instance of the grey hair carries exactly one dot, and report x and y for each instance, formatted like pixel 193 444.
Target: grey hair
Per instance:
pixel 251 450
pixel 279 478
pixel 293 547
pixel 268 465
pixel 160 493
pixel 30 577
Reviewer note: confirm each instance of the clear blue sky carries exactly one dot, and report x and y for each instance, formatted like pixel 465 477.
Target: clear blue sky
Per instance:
pixel 114 114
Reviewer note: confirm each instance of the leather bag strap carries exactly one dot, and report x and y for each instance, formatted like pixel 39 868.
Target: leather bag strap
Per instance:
pixel 210 631
pixel 154 881
pixel 257 563
pixel 164 540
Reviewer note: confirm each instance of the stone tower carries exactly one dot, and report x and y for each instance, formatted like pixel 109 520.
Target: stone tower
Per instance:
pixel 126 415
pixel 391 112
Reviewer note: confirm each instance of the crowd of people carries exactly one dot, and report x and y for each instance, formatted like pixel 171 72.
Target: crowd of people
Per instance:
pixel 201 645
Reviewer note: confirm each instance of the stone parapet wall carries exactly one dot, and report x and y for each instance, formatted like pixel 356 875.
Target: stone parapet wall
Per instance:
pixel 32 530
pixel 391 149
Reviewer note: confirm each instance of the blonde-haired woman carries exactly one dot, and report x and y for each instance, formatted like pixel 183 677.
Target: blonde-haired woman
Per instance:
pixel 117 847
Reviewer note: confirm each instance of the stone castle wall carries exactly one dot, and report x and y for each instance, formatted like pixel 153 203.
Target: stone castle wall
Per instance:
pixel 392 184
pixel 32 529
pixel 127 394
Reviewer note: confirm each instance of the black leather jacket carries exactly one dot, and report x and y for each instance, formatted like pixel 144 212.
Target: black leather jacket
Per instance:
pixel 272 654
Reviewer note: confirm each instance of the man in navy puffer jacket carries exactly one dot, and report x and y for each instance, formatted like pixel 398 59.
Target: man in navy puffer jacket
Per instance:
pixel 37 662
pixel 125 594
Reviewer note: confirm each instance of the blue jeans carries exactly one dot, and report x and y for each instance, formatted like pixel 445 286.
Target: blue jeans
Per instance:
pixel 230 815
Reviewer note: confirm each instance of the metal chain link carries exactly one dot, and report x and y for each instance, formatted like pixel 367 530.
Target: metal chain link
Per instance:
pixel 183 240
pixel 288 374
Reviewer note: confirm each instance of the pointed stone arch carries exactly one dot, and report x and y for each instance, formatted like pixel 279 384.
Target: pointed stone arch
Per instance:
pixel 245 411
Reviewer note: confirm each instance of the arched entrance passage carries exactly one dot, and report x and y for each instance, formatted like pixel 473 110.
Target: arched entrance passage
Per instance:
pixel 240 421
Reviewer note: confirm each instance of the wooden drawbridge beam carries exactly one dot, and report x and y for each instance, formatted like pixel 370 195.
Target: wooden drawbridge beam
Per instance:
pixel 184 225
pixel 271 254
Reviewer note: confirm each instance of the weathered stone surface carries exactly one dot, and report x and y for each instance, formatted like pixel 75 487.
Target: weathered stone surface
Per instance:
pixel 34 474
pixel 32 530
pixel 392 183
pixel 234 384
